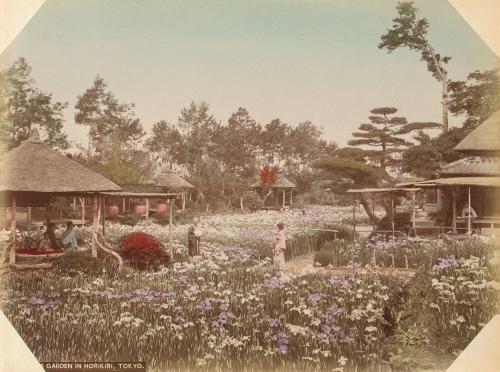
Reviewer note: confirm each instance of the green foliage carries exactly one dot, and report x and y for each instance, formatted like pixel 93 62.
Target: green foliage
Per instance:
pixel 110 122
pixel 130 219
pixel 252 201
pixel 359 172
pixel 425 159
pixel 411 32
pixel 477 98
pixel 383 134
pixel 23 105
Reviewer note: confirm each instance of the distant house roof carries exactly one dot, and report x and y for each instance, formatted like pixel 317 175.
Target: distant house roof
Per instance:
pixel 34 167
pixel 473 166
pixel 170 180
pixel 458 181
pixel 484 139
pixel 281 183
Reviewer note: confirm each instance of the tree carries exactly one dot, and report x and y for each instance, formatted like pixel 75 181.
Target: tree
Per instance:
pixel 166 144
pixel 383 135
pixel 425 159
pixel 236 146
pixel 408 31
pixel 123 167
pixel 422 160
pixel 303 142
pixel 24 106
pixel 477 98
pixel 197 126
pixel 275 142
pixel 354 172
pixel 109 121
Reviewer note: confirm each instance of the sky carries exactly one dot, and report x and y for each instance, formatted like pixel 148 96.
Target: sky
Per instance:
pixel 295 60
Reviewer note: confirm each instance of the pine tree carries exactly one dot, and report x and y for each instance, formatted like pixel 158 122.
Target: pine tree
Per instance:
pixel 383 136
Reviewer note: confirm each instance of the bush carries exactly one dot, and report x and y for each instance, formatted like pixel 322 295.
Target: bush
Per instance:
pixel 402 222
pixel 162 219
pixel 143 251
pixel 130 219
pixel 252 201
pixel 336 253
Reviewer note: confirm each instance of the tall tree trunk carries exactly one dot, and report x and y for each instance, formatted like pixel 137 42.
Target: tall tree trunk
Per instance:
pixel 241 202
pixel 445 104
pixel 371 213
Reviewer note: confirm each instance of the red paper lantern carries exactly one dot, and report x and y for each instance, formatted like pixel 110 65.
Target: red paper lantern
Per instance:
pixel 161 208
pixel 140 209
pixel 112 211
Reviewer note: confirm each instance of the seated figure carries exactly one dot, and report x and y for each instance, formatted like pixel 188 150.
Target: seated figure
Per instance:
pixel 68 238
pixel 49 241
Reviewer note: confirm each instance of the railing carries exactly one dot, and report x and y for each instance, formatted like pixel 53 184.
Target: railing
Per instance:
pixel 107 248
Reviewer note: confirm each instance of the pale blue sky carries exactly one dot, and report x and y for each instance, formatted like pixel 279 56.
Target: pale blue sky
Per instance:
pixel 296 60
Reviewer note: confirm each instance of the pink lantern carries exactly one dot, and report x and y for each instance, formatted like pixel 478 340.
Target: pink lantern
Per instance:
pixel 112 211
pixel 140 209
pixel 161 208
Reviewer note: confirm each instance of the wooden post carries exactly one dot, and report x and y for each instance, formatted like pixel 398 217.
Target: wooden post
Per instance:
pixel 170 229
pixel 12 253
pixel 392 259
pixel 373 210
pixel 406 260
pixel 283 197
pixel 392 215
pixel 291 196
pixel 82 203
pixel 29 216
pixel 103 211
pixel 353 217
pixel 413 210
pixel 95 226
pixel 123 206
pixel 454 210
pixel 183 200
pixel 469 217
pixel 147 208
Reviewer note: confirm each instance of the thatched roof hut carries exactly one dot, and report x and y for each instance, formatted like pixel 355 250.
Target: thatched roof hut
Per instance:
pixel 32 173
pixel 281 183
pixel 34 167
pixel 485 139
pixel 170 180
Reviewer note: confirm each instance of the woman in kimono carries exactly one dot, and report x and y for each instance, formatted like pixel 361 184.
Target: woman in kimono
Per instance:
pixel 194 237
pixel 279 246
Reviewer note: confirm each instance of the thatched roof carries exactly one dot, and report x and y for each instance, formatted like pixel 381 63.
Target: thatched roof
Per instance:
pixel 170 180
pixel 34 167
pixel 458 181
pixel 281 183
pixel 474 166
pixel 484 139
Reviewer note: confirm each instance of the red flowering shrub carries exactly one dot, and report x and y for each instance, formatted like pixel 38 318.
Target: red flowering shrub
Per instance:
pixel 143 251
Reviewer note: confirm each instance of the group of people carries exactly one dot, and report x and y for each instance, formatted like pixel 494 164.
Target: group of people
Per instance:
pixel 49 241
pixel 194 239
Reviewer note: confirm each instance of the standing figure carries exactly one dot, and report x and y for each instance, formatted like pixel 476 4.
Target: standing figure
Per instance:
pixel 279 246
pixel 194 237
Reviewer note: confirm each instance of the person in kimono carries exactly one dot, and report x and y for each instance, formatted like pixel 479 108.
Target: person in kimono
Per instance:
pixel 68 238
pixel 279 246
pixel 194 238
